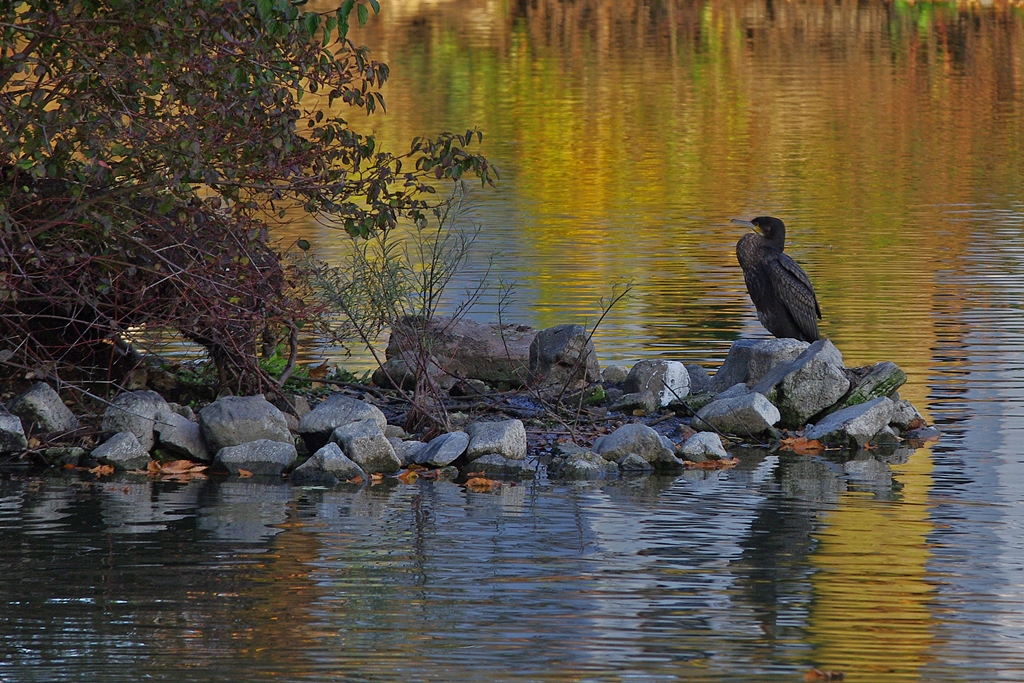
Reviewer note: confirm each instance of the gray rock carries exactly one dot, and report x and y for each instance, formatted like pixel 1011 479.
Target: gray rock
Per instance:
pixel 667 379
pixel 633 438
pixel 507 438
pixel 122 451
pixel 702 446
pixel 42 408
pixel 700 380
pixel 178 435
pixel 883 379
pixel 571 461
pixel 263 456
pixel 854 426
pixel 185 411
pixel 364 442
pixel 12 434
pixel 614 374
pixel 735 367
pixel 563 356
pixel 58 456
pixel 403 371
pixel 495 464
pixel 395 431
pixel 807 385
pixel 769 353
pixel 644 401
pixel 442 450
pixel 135 412
pixel 327 467
pixel 633 462
pixel 904 414
pixel 746 415
pixel 317 425
pixel 235 420
pixel 467 349
pixel 735 391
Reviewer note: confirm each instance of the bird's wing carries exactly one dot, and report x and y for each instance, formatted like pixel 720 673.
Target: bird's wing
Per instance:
pixel 794 288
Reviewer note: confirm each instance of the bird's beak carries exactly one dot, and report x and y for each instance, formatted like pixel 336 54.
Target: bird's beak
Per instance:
pixel 749 224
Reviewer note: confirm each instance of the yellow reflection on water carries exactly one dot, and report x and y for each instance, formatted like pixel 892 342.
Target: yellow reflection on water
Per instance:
pixel 870 616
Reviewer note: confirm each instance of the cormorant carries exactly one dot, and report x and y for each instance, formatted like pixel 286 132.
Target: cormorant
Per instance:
pixel 780 289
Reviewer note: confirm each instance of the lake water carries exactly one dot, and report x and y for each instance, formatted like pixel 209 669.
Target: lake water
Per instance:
pixel 888 136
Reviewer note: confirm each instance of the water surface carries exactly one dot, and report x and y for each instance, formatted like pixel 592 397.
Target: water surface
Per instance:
pixel 887 135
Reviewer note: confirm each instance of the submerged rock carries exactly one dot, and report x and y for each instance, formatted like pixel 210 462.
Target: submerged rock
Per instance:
pixel 495 464
pixel 701 446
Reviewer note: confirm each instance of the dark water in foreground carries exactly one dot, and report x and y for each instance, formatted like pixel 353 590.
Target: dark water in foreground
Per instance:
pixel 889 136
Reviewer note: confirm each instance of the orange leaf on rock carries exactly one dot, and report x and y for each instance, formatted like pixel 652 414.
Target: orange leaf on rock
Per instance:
pixel 818 676
pixel 181 467
pixel 244 474
pixel 101 470
pixel 153 467
pixel 357 480
pixel 408 477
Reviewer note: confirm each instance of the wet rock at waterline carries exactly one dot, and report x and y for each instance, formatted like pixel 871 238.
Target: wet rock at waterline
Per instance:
pixel 637 439
pixel 506 438
pixel 12 434
pixel 881 379
pixel 575 462
pixel 364 443
pixel 855 426
pixel 122 451
pixel 235 420
pixel 442 450
pixel 41 409
pixel 747 415
pixel 317 426
pixel 327 467
pixel 668 380
pixel 180 436
pixel 263 456
pixel 703 446
pixel 135 412
pixel 495 464
pixel 905 415
pixel 563 356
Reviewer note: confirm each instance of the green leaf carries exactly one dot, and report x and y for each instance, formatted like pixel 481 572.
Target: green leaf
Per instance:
pixel 304 245
pixel 376 6
pixel 364 14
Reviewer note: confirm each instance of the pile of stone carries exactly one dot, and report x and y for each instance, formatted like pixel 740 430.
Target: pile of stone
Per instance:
pixel 763 387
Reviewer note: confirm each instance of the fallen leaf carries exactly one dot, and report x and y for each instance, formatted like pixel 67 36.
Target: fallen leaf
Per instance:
pixel 801 445
pixel 471 475
pixel 723 464
pixel 69 466
pixel 153 467
pixel 181 467
pixel 376 478
pixel 415 468
pixel 357 480
pixel 916 423
pixel 817 675
pixel 481 485
pixel 244 474
pixel 408 477
pixel 101 470
pixel 317 372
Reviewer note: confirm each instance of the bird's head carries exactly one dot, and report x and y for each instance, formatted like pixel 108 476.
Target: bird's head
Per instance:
pixel 769 227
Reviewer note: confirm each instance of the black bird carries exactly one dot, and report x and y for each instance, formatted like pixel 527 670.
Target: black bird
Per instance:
pixel 780 289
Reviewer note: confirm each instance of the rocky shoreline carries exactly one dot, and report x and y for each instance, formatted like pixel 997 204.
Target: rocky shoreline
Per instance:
pixel 658 415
